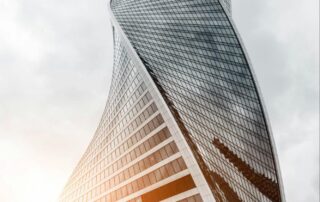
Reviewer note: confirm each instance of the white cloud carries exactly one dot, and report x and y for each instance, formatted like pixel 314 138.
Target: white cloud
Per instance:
pixel 55 68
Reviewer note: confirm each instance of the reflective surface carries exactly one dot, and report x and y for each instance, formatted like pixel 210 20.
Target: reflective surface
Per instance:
pixel 227 6
pixel 132 148
pixel 194 56
pixel 201 76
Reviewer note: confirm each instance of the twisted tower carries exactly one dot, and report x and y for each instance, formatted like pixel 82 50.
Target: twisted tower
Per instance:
pixel 184 120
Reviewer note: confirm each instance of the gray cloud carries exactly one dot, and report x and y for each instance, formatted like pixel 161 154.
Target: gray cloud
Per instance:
pixel 55 69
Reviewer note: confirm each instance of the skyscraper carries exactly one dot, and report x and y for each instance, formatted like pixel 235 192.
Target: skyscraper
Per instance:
pixel 184 119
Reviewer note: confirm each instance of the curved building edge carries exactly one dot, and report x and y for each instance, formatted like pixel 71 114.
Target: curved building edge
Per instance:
pixel 256 85
pixel 186 149
pixel 186 152
pixel 263 106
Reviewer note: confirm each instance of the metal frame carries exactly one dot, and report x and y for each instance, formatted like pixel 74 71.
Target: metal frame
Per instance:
pixel 183 146
pixel 192 164
pixel 263 106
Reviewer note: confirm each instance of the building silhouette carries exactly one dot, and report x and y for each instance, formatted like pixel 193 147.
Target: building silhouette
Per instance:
pixel 184 120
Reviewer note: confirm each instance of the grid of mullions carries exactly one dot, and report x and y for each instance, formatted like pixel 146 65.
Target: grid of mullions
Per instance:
pixel 109 165
pixel 121 91
pixel 125 67
pixel 101 148
pixel 132 138
pixel 122 169
pixel 227 5
pixel 127 93
pixel 95 168
pixel 192 50
pixel 101 140
pixel 121 60
pixel 149 179
pixel 134 98
pixel 142 165
pixel 129 97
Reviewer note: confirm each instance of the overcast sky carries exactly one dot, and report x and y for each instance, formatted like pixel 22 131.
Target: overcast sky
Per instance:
pixel 55 68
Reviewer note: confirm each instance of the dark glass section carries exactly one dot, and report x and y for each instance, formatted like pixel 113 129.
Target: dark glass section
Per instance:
pixel 196 60
pixel 223 191
pixel 173 188
pixel 264 184
pixel 132 148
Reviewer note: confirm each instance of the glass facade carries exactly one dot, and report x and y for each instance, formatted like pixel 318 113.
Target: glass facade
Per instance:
pixel 193 57
pixel 132 149
pixel 227 6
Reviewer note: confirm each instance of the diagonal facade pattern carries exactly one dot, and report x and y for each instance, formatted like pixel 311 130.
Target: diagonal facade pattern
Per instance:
pixel 184 120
